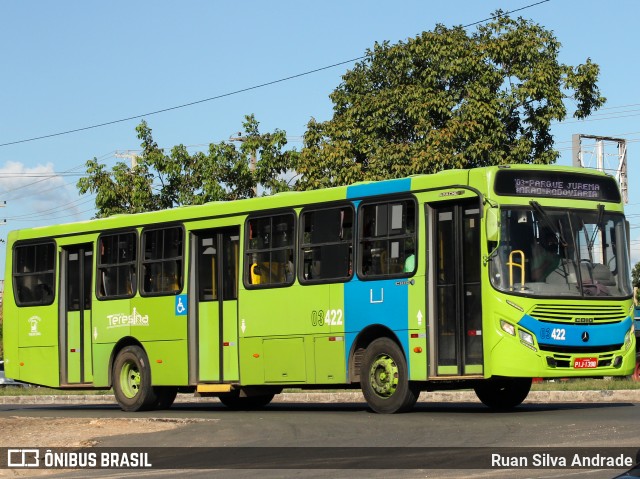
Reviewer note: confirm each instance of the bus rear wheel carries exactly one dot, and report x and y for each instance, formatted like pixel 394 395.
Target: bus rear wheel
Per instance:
pixel 165 395
pixel 503 393
pixel 234 401
pixel 384 378
pixel 132 380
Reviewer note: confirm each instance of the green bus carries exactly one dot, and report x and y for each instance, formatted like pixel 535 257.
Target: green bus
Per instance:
pixel 482 279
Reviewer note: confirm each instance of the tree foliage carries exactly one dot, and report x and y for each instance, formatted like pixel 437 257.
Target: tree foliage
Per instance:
pixel 635 280
pixel 448 99
pixel 161 180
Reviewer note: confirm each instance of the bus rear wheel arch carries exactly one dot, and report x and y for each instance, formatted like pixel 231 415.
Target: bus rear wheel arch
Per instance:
pixel 384 378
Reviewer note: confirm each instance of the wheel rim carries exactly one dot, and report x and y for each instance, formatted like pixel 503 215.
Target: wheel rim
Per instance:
pixel 129 380
pixel 383 376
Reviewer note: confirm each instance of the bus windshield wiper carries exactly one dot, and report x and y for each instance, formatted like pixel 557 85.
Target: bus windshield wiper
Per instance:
pixel 547 221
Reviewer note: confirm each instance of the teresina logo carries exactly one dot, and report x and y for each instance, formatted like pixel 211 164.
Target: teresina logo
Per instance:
pixel 133 319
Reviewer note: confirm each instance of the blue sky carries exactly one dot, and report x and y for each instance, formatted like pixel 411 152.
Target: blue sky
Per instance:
pixel 72 64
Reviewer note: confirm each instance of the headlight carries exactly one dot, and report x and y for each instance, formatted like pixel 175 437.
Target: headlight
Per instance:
pixel 628 336
pixel 526 337
pixel 508 327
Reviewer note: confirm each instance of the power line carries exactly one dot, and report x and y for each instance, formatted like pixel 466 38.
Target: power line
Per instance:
pixel 236 92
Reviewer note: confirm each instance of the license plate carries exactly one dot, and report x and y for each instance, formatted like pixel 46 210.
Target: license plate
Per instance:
pixel 585 363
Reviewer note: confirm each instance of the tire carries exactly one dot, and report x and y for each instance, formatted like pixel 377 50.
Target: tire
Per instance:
pixel 165 395
pixel 384 378
pixel 246 403
pixel 503 393
pixel 636 372
pixel 132 380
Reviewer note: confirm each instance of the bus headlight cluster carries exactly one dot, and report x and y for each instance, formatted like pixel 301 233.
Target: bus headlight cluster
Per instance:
pixel 628 336
pixel 508 327
pixel 526 338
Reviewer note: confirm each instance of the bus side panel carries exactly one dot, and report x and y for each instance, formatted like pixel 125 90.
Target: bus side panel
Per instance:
pixel 300 341
pixel 383 302
pixel 168 360
pixel 37 333
pixel 329 350
pixel 39 365
pixel 111 322
pixel 251 361
pixel 101 357
pixel 417 352
pixel 10 315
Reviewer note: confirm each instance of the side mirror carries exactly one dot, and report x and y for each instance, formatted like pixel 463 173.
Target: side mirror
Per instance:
pixel 493 224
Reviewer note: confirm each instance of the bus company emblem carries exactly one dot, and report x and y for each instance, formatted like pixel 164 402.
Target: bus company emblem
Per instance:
pixel 33 325
pixel 122 320
pixel 584 320
pixel 585 337
pixel 452 193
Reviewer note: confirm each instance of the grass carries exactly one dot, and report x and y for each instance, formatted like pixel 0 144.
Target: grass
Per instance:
pixel 605 384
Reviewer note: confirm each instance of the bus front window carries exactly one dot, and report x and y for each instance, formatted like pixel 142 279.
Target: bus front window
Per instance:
pixel 549 252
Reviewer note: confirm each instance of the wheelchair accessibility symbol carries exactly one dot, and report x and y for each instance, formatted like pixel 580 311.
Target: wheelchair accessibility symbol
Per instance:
pixel 181 305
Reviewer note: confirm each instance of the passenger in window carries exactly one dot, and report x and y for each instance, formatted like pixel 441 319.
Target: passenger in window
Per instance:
pixel 289 270
pixel 410 258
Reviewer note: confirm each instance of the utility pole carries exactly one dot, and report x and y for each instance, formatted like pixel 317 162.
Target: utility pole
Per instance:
pixel 601 142
pixel 129 154
pixel 252 163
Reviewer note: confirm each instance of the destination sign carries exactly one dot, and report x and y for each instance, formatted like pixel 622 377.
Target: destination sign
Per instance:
pixel 556 185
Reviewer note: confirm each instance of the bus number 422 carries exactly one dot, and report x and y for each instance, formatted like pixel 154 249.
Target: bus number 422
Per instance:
pixel 332 317
pixel 559 334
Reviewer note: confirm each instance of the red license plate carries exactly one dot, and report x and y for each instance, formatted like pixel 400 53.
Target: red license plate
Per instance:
pixel 585 363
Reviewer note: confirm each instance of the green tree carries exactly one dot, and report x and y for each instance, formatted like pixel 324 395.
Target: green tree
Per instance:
pixel 448 99
pixel 161 180
pixel 635 281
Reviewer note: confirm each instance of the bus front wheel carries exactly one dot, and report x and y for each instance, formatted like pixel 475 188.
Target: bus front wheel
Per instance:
pixel 132 380
pixel 636 372
pixel 384 378
pixel 503 393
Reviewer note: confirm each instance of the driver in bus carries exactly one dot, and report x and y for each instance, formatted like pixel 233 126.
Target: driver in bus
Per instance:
pixel 545 258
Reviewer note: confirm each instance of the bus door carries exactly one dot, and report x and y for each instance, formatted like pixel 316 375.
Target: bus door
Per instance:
pixel 215 265
pixel 75 304
pixel 456 315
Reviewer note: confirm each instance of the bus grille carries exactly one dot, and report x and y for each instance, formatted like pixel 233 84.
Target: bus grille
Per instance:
pixel 579 313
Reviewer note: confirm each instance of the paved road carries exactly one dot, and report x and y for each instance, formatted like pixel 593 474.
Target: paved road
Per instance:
pixel 609 420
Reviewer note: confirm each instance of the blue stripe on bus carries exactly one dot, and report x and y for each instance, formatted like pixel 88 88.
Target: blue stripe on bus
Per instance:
pixel 561 334
pixel 379 188
pixel 376 302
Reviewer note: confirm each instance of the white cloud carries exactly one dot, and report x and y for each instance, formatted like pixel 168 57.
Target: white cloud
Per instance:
pixel 38 195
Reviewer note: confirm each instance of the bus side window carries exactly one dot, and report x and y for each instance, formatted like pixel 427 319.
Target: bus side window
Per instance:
pixel 326 244
pixel 163 260
pixel 34 273
pixel 116 265
pixel 269 253
pixel 388 239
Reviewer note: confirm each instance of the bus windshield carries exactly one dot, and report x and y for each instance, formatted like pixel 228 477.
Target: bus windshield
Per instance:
pixel 558 253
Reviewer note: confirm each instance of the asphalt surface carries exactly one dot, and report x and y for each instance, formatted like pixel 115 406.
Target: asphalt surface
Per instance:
pixel 535 397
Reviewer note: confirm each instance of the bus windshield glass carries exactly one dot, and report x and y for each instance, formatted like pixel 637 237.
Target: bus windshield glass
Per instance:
pixel 558 253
